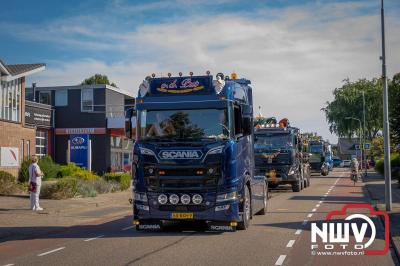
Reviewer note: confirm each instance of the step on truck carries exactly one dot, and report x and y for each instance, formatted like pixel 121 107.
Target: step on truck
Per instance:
pixel 193 157
pixel 279 154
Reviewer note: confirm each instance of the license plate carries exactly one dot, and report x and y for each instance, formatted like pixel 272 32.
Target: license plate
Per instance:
pixel 182 215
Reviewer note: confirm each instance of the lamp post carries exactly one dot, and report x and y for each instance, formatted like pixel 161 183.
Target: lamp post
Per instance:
pixel 361 155
pixel 363 148
pixel 388 178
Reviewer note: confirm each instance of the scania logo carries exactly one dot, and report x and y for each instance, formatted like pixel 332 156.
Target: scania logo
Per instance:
pixel 78 141
pixel 180 154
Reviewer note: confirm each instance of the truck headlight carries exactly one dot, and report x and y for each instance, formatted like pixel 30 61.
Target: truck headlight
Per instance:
pixel 140 197
pixel 162 199
pixel 146 151
pixel 185 199
pixel 174 199
pixel 197 199
pixel 227 196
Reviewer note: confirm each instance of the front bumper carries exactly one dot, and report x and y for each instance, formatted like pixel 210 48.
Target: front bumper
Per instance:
pixel 209 210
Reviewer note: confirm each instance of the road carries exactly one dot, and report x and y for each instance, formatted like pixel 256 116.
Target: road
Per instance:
pixel 281 237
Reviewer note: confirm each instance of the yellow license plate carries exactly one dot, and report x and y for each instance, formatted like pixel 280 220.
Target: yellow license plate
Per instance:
pixel 182 215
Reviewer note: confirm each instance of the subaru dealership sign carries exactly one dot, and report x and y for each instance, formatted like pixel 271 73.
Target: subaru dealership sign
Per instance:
pixel 79 150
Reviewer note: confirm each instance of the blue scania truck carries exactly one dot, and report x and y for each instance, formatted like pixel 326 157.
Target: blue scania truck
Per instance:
pixel 193 155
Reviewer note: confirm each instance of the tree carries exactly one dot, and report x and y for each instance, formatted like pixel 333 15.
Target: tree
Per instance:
pixel 394 108
pixel 98 79
pixel 348 103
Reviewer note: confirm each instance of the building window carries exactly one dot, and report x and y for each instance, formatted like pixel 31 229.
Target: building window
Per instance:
pixel 61 98
pixel 87 100
pixel 10 101
pixel 41 143
pixel 45 97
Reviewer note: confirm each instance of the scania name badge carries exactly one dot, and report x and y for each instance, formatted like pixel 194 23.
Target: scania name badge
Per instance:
pixel 180 154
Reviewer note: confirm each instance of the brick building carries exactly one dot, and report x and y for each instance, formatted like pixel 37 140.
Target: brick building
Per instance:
pixel 17 139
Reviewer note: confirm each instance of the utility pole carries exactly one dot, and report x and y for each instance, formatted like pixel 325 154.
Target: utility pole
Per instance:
pixel 388 178
pixel 365 157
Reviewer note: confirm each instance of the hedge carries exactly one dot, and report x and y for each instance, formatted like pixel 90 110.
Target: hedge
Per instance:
pixel 61 189
pixel 124 179
pixel 394 163
pixel 8 185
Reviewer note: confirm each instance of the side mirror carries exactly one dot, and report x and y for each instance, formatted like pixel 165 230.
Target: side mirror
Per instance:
pixel 247 126
pixel 130 122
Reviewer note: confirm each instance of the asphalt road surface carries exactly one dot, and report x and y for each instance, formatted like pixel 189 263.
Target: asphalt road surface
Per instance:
pixel 281 237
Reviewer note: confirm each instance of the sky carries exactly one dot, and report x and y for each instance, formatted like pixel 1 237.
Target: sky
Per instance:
pixel 294 52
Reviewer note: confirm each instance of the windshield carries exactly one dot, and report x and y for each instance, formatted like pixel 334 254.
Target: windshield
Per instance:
pixel 184 124
pixel 316 149
pixel 273 141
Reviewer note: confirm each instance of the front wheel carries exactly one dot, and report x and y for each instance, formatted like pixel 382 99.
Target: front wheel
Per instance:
pixel 244 224
pixel 296 186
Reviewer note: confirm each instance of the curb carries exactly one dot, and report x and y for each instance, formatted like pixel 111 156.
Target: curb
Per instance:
pixel 395 248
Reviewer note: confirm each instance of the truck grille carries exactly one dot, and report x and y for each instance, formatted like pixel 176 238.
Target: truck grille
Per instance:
pixel 182 179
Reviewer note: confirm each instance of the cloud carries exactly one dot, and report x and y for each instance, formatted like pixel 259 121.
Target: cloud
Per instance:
pixel 294 56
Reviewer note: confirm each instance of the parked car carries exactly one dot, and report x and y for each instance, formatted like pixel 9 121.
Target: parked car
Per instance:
pixel 337 162
pixel 346 163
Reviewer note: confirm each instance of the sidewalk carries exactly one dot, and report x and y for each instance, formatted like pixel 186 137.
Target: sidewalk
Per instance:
pixel 17 221
pixel 375 184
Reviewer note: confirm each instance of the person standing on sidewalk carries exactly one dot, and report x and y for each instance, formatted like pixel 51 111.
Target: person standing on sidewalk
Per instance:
pixel 35 182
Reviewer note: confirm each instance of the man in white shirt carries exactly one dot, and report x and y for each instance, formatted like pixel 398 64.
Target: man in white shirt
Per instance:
pixel 35 176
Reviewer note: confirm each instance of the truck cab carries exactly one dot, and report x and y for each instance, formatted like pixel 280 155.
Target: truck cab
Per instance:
pixel 193 154
pixel 279 157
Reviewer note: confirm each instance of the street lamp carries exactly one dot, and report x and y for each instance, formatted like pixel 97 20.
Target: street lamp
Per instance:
pixel 388 177
pixel 361 146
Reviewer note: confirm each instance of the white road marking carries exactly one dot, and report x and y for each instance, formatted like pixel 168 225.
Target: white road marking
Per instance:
pixel 320 202
pixel 9 265
pixel 309 215
pixel 290 243
pixel 51 251
pixel 280 260
pixel 298 232
pixel 93 238
pixel 305 222
pixel 317 205
pixel 127 228
pixel 314 210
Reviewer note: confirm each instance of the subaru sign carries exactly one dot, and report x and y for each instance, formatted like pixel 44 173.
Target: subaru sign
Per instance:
pixel 180 154
pixel 79 150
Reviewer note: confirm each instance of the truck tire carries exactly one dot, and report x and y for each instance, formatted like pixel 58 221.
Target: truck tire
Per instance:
pixel 263 211
pixel 243 225
pixel 296 186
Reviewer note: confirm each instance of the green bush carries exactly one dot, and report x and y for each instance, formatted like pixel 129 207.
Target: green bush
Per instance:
pixel 69 170
pixel 8 185
pixel 24 172
pixel 86 175
pixel 61 189
pixel 93 188
pixel 124 179
pixel 86 189
pixel 49 168
pixel 394 163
